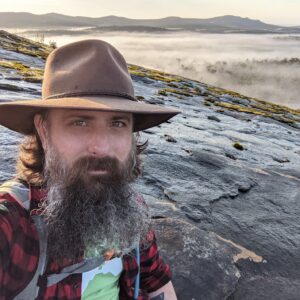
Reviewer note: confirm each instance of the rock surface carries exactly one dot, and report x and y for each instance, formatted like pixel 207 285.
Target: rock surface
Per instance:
pixel 227 216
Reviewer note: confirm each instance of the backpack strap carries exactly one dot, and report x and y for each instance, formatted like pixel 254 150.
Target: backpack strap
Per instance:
pixel 31 291
pixel 18 190
pixel 137 279
pixel 81 267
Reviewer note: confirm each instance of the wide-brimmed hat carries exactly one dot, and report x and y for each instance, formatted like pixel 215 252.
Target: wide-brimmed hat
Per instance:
pixel 90 75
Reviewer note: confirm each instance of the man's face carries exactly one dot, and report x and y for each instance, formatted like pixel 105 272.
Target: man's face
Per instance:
pixel 79 133
pixel 90 206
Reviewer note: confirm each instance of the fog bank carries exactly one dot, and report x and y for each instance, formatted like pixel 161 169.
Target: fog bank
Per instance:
pixel 259 66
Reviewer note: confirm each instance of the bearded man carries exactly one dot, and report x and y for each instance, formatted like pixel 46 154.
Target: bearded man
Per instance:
pixel 71 225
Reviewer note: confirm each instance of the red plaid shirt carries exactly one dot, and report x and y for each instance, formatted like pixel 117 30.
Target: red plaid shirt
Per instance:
pixel 19 251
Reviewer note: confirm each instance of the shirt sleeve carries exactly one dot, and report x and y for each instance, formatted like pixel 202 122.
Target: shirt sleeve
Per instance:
pixel 154 272
pixel 17 266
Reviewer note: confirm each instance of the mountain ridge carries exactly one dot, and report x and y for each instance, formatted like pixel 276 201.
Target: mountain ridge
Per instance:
pixel 215 24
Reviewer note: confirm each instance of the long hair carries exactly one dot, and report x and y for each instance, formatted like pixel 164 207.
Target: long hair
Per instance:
pixel 31 159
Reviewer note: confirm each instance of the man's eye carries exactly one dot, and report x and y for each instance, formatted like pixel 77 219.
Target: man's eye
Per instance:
pixel 119 124
pixel 80 123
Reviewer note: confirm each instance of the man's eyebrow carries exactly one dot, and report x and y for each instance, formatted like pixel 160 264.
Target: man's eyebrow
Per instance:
pixel 79 116
pixel 114 118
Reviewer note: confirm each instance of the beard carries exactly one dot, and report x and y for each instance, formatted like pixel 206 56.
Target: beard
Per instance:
pixel 86 213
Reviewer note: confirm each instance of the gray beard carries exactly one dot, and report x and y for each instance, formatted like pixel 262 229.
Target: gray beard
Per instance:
pixel 88 214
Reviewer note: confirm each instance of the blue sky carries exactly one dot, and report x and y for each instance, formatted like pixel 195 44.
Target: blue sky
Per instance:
pixel 281 12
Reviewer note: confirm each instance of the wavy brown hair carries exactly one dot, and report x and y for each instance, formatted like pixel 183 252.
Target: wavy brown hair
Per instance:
pixel 31 158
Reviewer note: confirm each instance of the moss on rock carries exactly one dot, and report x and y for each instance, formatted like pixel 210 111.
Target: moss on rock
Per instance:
pixel 27 73
pixel 153 74
pixel 12 42
pixel 267 109
pixel 238 146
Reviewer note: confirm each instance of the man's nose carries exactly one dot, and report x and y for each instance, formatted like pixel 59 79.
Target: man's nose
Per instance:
pixel 99 144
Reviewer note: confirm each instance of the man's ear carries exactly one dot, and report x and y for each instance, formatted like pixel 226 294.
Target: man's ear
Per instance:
pixel 39 124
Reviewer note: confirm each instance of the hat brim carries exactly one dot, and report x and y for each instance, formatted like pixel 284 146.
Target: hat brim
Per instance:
pixel 18 115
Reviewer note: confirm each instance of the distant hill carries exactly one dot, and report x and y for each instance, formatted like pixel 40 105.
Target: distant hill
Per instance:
pixel 222 24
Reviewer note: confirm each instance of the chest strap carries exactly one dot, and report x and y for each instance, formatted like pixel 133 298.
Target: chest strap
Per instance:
pixel 81 267
pixel 32 289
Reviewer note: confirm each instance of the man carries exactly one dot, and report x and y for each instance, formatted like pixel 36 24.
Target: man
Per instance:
pixel 71 227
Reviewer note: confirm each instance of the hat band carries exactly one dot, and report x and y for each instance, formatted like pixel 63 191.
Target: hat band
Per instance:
pixel 91 93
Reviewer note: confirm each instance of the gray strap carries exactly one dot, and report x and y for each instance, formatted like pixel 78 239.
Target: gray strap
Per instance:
pixel 18 190
pixel 32 289
pixel 81 267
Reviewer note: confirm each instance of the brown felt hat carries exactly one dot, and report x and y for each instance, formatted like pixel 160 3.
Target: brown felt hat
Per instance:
pixel 91 75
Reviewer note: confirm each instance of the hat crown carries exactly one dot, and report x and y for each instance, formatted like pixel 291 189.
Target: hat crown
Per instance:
pixel 89 67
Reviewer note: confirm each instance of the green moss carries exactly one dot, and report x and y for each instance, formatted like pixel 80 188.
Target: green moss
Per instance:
pixel 33 52
pixel 173 85
pixel 220 91
pixel 251 110
pixel 241 109
pixel 160 77
pixel 141 98
pixel 28 74
pixel 137 73
pixel 13 42
pixel 133 67
pixel 153 74
pixel 262 105
pixel 162 92
pixel 238 146
pixel 275 108
pixel 257 107
pixel 168 78
pixel 210 99
pixel 179 92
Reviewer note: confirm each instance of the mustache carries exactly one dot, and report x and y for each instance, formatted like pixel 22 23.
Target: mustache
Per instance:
pixel 82 166
pixel 91 163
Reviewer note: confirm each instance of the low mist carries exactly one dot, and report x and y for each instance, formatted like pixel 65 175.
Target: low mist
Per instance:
pixel 261 66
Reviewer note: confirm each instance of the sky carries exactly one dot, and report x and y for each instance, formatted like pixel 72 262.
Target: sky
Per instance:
pixel 278 12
